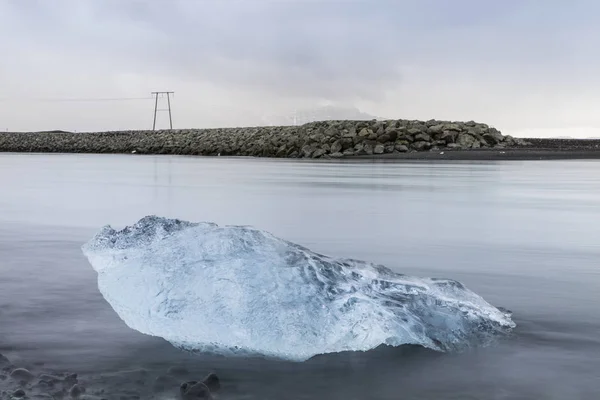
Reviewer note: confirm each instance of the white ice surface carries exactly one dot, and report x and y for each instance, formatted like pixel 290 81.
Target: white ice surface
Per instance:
pixel 239 290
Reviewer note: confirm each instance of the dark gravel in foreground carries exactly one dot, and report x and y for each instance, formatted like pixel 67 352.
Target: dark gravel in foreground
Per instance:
pixel 539 149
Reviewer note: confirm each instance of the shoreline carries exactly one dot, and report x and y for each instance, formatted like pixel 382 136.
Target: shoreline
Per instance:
pixel 509 154
pixel 342 140
pixel 576 149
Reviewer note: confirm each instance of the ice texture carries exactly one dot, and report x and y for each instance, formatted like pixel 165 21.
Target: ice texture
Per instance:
pixel 241 290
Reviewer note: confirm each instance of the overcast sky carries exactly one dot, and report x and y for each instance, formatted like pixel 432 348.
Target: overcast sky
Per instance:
pixel 527 67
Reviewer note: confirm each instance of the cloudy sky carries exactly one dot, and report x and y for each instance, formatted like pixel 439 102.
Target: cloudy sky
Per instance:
pixel 528 67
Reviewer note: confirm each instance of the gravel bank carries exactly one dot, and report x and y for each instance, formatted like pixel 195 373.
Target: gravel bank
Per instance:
pixel 327 139
pixel 391 139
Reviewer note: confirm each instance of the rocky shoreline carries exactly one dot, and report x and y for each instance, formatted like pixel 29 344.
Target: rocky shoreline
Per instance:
pixel 19 383
pixel 390 139
pixel 327 139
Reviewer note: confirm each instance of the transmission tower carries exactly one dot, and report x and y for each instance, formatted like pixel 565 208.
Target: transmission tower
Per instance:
pixel 156 94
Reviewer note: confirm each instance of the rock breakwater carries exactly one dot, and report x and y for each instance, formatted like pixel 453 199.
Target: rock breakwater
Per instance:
pixel 326 139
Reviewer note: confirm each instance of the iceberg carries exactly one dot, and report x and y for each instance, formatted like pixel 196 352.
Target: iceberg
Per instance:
pixel 239 290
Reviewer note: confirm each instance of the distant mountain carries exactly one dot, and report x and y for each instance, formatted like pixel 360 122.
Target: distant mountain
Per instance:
pixel 324 113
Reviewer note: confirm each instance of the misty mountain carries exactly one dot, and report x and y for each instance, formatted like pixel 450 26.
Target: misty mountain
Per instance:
pixel 324 113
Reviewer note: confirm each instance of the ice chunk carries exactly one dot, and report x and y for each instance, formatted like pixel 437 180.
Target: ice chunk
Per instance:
pixel 236 289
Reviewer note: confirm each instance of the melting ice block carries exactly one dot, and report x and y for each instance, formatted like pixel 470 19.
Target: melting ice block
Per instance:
pixel 236 289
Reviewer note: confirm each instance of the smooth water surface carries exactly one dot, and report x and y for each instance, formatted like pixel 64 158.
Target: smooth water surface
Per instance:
pixel 524 235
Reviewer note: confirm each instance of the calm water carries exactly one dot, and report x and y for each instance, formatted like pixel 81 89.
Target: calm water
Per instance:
pixel 525 235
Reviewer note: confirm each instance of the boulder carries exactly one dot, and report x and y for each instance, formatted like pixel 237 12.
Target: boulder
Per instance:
pixel 422 137
pixel 465 141
pixel 493 136
pixel 379 149
pixel 337 146
pixel 421 145
pixel 21 374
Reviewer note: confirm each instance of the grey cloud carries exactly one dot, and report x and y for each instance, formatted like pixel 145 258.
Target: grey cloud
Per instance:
pixel 354 51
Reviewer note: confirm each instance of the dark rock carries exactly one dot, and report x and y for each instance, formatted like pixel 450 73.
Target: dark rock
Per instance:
pixel 401 148
pixel 465 140
pixel 421 146
pixel 194 390
pixel 452 127
pixel 19 393
pixel 393 134
pixel 435 129
pixel 351 133
pixel 76 390
pixel 337 146
pixel 476 130
pixel 449 136
pixel 50 378
pixel 212 382
pixel 3 360
pixel 21 374
pixel 422 137
pixel 347 143
pixel 493 136
pixel 364 133
pixel 318 153
pixel 384 138
pixel 307 151
pixel 508 140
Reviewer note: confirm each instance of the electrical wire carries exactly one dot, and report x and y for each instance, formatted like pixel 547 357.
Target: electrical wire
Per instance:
pixel 73 100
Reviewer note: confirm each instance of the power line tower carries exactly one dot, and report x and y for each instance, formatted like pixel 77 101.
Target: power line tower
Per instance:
pixel 156 94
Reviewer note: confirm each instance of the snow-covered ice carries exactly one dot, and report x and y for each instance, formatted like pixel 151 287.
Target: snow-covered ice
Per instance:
pixel 240 290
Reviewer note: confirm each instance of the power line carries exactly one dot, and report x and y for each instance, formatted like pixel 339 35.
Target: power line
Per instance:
pixel 74 100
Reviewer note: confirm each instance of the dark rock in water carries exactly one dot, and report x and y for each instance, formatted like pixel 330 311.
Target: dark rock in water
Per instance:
pixel 21 374
pixel 200 390
pixel 43 385
pixel 50 378
pixel 194 390
pixel 177 371
pixel 19 393
pixel 76 390
pixel 212 382
pixel 4 360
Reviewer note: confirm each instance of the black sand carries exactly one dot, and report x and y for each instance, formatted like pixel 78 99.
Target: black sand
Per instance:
pixel 540 149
